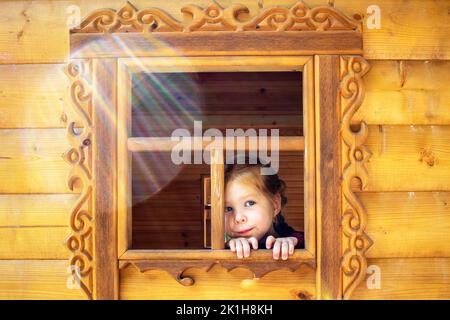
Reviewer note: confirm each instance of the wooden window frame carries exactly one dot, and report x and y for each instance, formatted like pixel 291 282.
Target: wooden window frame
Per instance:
pixel 108 40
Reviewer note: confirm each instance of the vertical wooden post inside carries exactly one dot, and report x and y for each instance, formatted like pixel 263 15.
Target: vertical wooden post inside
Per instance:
pixel 124 158
pixel 104 167
pixel 329 277
pixel 217 200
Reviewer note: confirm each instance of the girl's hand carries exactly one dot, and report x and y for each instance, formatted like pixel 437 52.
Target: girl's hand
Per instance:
pixel 242 246
pixel 285 246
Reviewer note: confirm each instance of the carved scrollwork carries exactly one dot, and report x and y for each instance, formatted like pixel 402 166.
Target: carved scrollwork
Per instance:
pixel 79 157
pixel 177 268
pixel 301 18
pixel 128 19
pixel 215 18
pixel 354 157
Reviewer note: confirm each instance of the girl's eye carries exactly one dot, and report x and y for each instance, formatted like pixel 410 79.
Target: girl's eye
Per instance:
pixel 228 209
pixel 250 203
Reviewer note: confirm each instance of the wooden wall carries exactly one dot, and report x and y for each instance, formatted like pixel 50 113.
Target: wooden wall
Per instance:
pixel 406 105
pixel 408 200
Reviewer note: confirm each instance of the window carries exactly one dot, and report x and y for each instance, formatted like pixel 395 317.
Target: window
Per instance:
pixel 168 207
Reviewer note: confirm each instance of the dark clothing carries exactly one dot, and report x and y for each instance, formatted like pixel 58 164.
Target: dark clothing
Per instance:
pixel 283 230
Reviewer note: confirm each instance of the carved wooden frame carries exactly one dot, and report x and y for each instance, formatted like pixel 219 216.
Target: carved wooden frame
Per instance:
pixel 107 35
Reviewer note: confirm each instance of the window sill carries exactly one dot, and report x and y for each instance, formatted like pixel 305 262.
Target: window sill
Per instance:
pixel 256 255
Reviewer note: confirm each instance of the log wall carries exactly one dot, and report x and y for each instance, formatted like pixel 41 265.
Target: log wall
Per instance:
pixel 407 107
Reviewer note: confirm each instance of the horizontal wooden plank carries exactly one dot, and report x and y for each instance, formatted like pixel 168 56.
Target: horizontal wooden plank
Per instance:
pixel 31 161
pixel 207 254
pixel 408 224
pixel 418 278
pixel 34 243
pixel 37 279
pixel 191 228
pixel 409 158
pixel 218 284
pixel 397 92
pixel 224 43
pixel 406 92
pixel 36 209
pixel 32 95
pixel 412 29
pixel 26 25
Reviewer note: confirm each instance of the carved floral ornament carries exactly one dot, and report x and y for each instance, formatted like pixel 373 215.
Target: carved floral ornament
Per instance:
pixel 215 18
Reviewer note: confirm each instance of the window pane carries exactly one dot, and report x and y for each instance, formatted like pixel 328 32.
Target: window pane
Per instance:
pixel 163 102
pixel 167 211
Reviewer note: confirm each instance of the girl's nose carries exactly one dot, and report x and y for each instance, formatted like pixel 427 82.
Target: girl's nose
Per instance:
pixel 239 217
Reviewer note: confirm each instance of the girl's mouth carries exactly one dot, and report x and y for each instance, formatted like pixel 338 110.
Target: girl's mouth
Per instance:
pixel 245 231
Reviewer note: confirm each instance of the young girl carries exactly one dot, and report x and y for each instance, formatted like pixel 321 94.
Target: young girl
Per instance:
pixel 253 217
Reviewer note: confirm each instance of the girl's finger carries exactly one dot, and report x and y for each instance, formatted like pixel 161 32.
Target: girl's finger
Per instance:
pixel 232 245
pixel 254 242
pixel 239 252
pixel 270 241
pixel 276 250
pixel 284 249
pixel 291 246
pixel 246 248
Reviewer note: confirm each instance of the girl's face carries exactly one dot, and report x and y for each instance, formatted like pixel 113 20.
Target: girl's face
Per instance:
pixel 248 211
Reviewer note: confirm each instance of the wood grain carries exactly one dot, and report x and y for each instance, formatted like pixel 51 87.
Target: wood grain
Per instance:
pixel 405 159
pixel 33 96
pixel 406 93
pixel 294 143
pixel 33 243
pixel 105 173
pixel 202 254
pixel 29 210
pixel 124 159
pixel 408 279
pixel 408 224
pixel 219 43
pixel 217 199
pixel 410 30
pixel 25 25
pixel 409 158
pixel 397 93
pixel 31 161
pixel 37 279
pixel 329 232
pixel 309 166
pixel 218 284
